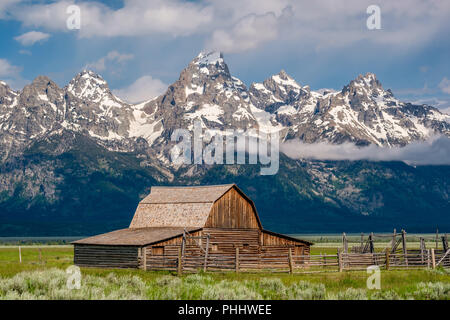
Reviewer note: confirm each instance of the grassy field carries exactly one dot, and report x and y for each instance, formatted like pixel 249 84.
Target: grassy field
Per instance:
pixel 46 279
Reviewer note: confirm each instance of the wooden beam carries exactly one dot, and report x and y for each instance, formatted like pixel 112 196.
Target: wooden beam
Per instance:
pixel 291 263
pixel 237 259
pixel 445 242
pixel 206 252
pixel 433 259
pixel 344 242
pixel 144 252
pixel 405 251
pixel 443 257
pixel 372 248
pixel 180 261
pixel 387 259
pixel 339 256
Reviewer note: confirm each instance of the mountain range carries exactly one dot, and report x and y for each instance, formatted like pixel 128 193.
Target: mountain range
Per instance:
pixel 76 160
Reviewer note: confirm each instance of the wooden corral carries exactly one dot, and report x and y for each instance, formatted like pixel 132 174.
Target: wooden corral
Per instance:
pixel 192 228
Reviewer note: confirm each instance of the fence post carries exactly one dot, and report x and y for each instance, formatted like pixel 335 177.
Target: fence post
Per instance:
pixel 237 259
pixel 445 242
pixel 387 259
pixel 206 253
pixel 433 259
pixel 428 258
pixel 180 262
pixel 405 251
pixel 20 254
pixel 291 265
pixel 339 256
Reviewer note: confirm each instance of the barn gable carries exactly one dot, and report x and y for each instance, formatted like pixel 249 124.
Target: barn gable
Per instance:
pixel 223 206
pixel 233 210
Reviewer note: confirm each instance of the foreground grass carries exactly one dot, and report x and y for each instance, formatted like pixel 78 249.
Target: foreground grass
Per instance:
pixel 46 279
pixel 52 284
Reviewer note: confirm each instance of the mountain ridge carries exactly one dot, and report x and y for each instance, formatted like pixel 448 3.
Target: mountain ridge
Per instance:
pixel 79 158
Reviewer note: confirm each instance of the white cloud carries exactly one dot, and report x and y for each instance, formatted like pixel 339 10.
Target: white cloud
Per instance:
pixel 435 151
pixel 30 38
pixel 244 25
pixel 7 70
pixel 11 75
pixel 142 89
pixel 248 33
pixel 444 85
pixel 137 17
pixel 113 56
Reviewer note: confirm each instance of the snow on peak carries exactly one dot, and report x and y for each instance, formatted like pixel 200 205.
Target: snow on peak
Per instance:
pixel 284 79
pixel 206 58
pixel 88 85
pixel 369 79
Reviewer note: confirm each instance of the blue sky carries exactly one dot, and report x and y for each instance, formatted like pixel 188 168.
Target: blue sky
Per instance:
pixel 140 46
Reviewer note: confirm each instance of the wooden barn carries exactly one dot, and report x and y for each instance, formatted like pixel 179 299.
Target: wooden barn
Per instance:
pixel 187 228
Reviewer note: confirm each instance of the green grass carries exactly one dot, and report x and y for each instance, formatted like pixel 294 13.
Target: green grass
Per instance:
pixel 45 279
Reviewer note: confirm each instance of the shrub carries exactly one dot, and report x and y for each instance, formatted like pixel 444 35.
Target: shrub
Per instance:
pixel 51 285
pixel 304 290
pixel 432 291
pixel 350 294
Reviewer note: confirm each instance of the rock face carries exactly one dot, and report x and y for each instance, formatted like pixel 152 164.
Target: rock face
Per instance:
pixel 362 112
pixel 80 152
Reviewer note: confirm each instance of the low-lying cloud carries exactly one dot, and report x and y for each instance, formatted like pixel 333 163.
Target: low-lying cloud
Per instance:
pixel 142 89
pixel 435 151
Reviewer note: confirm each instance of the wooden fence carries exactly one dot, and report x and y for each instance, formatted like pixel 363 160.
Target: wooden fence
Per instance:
pixel 271 262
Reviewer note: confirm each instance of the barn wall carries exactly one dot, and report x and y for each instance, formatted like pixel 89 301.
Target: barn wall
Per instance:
pixel 232 211
pixel 274 243
pixel 106 256
pixel 222 241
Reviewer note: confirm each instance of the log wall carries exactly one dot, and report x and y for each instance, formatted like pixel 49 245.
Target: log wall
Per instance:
pixel 106 256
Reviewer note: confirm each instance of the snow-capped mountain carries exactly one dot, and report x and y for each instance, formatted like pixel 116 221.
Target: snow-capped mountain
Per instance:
pixel 72 158
pixel 362 112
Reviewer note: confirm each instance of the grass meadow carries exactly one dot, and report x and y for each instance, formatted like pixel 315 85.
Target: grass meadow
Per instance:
pixel 43 276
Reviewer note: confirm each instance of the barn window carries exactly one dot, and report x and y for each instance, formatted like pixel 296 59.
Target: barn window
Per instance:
pixel 158 251
pixel 214 247
pixel 246 245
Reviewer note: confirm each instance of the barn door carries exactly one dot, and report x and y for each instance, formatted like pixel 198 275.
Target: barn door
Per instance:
pixel 195 251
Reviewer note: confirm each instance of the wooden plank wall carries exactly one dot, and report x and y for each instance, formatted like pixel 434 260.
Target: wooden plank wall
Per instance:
pixel 274 243
pixel 232 211
pixel 106 256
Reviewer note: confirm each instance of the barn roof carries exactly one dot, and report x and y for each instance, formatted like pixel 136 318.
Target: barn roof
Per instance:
pixel 134 237
pixel 191 194
pixel 180 206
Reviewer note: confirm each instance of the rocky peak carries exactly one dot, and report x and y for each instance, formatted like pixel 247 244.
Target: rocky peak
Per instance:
pixel 41 90
pixel 275 91
pixel 7 95
pixel 88 85
pixel 367 84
